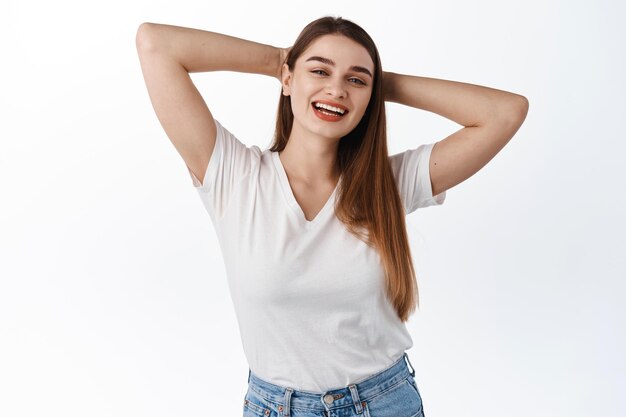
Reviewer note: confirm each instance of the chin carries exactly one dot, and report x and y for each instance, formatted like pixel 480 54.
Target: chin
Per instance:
pixel 333 132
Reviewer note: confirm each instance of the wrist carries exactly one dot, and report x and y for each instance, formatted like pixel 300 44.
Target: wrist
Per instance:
pixel 388 86
pixel 278 58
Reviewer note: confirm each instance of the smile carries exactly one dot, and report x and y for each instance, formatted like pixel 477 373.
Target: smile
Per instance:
pixel 328 112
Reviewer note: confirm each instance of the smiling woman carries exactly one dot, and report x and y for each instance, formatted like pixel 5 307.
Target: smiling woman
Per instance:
pixel 335 62
pixel 312 229
pixel 334 73
pixel 328 110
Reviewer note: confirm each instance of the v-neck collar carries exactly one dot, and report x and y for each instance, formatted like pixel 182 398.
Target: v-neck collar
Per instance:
pixel 291 199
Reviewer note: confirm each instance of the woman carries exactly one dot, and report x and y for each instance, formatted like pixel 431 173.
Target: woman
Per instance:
pixel 312 230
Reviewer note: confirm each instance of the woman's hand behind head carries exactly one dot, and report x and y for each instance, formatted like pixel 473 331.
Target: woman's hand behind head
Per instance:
pixel 281 60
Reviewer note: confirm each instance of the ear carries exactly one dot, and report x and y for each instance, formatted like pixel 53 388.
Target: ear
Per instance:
pixel 286 80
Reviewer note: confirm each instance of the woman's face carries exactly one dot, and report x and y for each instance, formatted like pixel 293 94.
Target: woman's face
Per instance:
pixel 335 71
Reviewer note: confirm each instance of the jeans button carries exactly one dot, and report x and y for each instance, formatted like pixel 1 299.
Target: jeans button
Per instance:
pixel 328 399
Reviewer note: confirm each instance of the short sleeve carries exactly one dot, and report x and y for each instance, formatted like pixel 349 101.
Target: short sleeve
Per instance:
pixel 411 169
pixel 230 162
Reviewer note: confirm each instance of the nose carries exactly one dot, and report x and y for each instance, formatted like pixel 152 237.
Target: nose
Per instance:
pixel 335 88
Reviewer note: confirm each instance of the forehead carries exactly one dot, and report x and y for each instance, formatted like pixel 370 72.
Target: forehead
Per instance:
pixel 344 51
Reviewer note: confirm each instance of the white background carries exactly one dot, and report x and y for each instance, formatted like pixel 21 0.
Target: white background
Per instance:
pixel 113 296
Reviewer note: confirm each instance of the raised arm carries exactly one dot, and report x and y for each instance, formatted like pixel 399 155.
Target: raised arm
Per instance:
pixel 491 117
pixel 168 54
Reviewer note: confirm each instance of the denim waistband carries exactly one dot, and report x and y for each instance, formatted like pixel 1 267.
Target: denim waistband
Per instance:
pixel 352 395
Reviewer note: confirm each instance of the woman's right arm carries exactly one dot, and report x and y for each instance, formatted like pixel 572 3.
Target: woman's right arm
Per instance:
pixel 168 54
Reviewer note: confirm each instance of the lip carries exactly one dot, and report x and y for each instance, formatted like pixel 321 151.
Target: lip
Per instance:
pixel 327 117
pixel 332 103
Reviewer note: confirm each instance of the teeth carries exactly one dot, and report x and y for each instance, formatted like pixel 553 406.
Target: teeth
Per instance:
pixel 326 106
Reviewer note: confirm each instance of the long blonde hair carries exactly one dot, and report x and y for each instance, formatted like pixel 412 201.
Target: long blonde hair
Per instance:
pixel 368 201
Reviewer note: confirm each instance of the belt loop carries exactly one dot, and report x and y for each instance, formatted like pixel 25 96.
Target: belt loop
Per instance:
pixel 406 356
pixel 286 411
pixel 249 371
pixel 356 399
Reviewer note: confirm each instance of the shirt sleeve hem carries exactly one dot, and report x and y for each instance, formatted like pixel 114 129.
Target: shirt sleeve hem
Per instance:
pixel 426 184
pixel 213 161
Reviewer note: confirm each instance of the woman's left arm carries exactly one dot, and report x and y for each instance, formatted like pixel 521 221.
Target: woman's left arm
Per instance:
pixel 491 117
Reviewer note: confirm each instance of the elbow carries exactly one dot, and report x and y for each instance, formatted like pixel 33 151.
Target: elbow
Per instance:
pixel 510 109
pixel 143 38
pixel 516 110
pixel 523 107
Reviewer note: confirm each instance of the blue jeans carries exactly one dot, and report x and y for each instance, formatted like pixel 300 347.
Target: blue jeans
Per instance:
pixel 390 393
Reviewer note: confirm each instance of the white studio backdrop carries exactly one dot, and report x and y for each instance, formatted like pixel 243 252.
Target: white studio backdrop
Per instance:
pixel 113 295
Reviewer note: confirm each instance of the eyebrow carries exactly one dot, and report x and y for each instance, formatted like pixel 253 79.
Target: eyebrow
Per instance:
pixel 327 61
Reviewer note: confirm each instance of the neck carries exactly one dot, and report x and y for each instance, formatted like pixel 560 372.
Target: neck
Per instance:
pixel 311 159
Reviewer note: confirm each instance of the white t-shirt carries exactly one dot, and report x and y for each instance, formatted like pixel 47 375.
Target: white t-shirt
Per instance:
pixel 308 295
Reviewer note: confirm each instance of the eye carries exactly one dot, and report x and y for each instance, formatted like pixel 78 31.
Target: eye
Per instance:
pixel 352 80
pixel 358 81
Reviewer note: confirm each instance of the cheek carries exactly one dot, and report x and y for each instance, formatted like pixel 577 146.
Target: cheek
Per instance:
pixel 299 105
pixel 363 108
